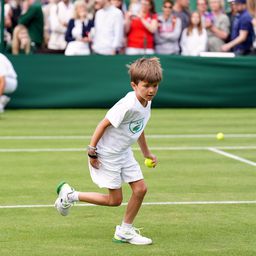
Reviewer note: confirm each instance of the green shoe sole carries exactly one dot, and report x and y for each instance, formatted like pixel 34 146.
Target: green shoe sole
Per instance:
pixel 118 241
pixel 60 186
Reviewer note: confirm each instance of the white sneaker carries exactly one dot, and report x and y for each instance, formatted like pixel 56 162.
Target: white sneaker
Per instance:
pixel 4 100
pixel 1 108
pixel 131 235
pixel 63 203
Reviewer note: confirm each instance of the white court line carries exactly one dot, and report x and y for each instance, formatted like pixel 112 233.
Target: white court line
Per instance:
pixel 154 136
pixel 145 204
pixel 35 150
pixel 221 152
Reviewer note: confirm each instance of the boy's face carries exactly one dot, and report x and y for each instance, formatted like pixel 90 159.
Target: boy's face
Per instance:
pixel 145 91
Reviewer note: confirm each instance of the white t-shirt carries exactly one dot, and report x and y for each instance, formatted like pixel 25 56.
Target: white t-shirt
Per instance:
pixel 6 68
pixel 128 118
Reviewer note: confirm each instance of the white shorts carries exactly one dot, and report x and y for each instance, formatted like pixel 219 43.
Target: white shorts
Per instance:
pixel 138 51
pixel 10 85
pixel 115 170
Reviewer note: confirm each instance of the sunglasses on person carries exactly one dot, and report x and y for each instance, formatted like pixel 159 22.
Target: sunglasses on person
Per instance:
pixel 167 7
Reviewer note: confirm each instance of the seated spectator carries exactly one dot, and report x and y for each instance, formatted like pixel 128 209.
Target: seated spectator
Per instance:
pixel 77 34
pixel 181 10
pixel 32 19
pixel 59 15
pixel 21 40
pixel 140 29
pixel 218 26
pixel 194 38
pixel 242 34
pixel 202 9
pixel 251 6
pixel 109 29
pixel 168 32
pixel 8 81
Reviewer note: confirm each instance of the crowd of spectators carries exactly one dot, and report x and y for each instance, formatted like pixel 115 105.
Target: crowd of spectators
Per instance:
pixel 110 27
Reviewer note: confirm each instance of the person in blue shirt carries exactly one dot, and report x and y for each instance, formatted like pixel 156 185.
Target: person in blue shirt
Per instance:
pixel 242 34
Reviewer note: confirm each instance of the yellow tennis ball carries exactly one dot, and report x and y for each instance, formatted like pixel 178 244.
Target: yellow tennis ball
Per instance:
pixel 220 136
pixel 149 163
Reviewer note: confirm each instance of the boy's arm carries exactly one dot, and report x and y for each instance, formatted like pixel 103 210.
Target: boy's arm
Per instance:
pixel 145 150
pixel 99 131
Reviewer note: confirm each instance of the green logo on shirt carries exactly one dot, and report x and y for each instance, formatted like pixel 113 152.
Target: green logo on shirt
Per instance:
pixel 136 126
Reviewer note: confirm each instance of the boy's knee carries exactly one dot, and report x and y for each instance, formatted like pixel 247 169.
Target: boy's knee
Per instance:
pixel 141 191
pixel 115 202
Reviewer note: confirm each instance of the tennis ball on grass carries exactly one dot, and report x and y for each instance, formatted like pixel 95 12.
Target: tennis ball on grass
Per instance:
pixel 149 163
pixel 220 136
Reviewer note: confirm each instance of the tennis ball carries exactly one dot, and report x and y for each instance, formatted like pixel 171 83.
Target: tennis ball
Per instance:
pixel 220 136
pixel 149 163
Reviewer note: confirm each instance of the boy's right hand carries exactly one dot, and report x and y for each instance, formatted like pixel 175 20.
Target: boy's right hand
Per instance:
pixel 95 163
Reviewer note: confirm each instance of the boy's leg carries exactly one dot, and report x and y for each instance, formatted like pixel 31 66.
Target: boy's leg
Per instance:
pixel 126 232
pixel 139 190
pixel 114 198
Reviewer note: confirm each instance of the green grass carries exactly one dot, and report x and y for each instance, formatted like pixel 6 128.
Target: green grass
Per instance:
pixel 28 178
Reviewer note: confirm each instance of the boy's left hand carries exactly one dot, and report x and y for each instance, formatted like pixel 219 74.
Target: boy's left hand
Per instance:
pixel 153 158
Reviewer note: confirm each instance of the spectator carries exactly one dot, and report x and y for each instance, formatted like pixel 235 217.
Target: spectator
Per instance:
pixel 109 29
pixel 202 9
pixel 120 5
pixel 194 38
pixel 251 6
pixel 140 29
pixel 168 32
pixel 242 34
pixel 32 19
pixel 232 13
pixel 134 7
pixel 218 26
pixel 21 40
pixel 8 81
pixel 60 14
pixel 181 10
pixel 77 34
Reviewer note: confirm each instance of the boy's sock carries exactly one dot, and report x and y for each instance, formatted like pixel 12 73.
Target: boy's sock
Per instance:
pixel 126 225
pixel 73 197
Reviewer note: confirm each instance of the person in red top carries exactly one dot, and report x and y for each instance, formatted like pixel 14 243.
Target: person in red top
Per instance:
pixel 140 29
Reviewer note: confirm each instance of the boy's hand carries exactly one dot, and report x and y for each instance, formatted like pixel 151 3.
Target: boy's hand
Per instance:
pixel 153 158
pixel 95 163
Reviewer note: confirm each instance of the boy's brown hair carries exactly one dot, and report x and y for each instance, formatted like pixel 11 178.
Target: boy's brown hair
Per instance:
pixel 146 69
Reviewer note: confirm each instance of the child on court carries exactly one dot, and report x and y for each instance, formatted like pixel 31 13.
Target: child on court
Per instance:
pixel 111 159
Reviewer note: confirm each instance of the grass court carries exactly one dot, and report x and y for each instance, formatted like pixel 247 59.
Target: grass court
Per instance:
pixel 201 198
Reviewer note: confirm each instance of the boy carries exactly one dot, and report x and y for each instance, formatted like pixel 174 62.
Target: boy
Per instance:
pixel 8 81
pixel 111 160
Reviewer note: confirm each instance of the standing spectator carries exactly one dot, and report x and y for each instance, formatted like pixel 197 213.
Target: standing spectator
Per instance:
pixel 60 14
pixel 202 9
pixel 8 81
pixel 77 34
pixel 31 18
pixel 181 10
pixel 242 34
pixel 232 13
pixel 251 6
pixel 194 38
pixel 109 29
pixel 168 32
pixel 218 26
pixel 134 7
pixel 140 29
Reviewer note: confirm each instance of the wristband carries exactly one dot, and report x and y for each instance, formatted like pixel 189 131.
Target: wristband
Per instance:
pixel 89 147
pixel 93 156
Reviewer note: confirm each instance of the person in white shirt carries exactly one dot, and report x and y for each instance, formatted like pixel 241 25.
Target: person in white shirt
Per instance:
pixel 109 29
pixel 8 81
pixel 111 160
pixel 194 38
pixel 59 15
